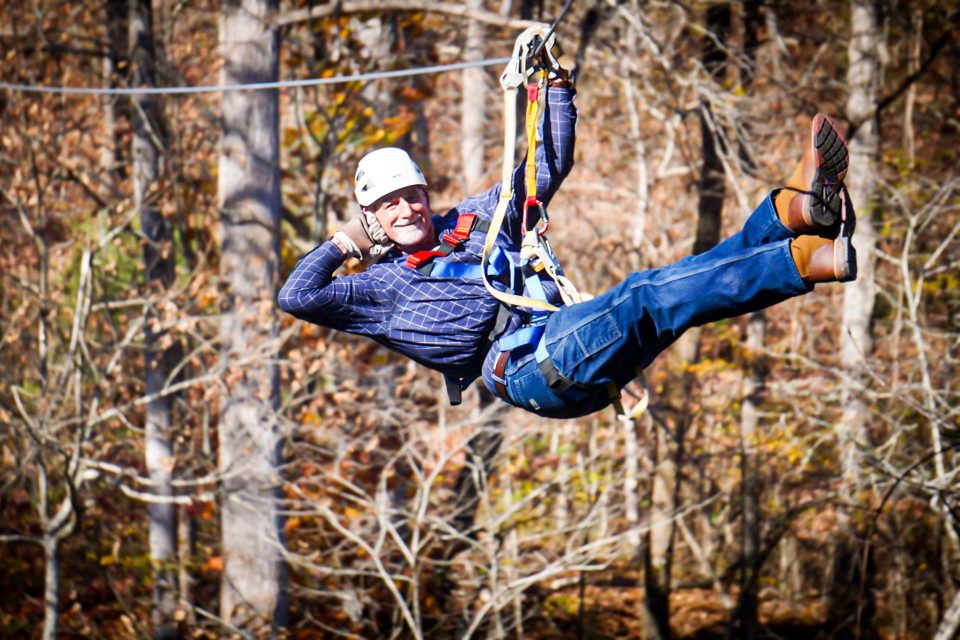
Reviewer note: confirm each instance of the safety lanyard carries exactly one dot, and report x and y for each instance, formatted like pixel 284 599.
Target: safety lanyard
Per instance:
pixel 534 246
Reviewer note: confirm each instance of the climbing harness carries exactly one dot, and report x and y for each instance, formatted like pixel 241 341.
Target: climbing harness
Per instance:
pixel 531 61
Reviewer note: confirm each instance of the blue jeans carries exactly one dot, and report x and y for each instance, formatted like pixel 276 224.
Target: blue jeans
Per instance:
pixel 609 338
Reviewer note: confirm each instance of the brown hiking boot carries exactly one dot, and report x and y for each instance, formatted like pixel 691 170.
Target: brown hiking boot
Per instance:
pixel 824 260
pixel 811 202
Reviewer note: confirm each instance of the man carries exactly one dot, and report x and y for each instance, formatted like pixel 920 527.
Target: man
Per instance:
pixel 443 317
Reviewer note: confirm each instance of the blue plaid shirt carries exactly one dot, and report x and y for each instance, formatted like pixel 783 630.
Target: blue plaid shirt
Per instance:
pixel 441 323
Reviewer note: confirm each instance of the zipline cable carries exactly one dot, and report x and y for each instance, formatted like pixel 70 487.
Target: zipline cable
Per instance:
pixel 253 86
pixel 556 21
pixel 281 84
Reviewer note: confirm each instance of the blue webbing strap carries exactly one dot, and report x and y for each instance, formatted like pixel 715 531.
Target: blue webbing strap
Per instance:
pixel 455 270
pixel 529 334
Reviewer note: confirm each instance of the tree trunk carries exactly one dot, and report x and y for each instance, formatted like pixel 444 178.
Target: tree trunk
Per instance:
pixel 148 136
pixel 711 187
pixel 951 620
pixel 639 223
pixel 471 109
pixel 186 548
pixel 747 621
pixel 55 530
pixel 116 42
pixel 631 493
pixel 51 586
pixel 252 588
pixel 710 208
pixel 845 609
pixel 858 300
pixel 472 479
pixel 657 539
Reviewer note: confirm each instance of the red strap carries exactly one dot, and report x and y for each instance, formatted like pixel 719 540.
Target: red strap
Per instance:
pixel 461 232
pixel 414 260
pixel 451 239
pixel 464 226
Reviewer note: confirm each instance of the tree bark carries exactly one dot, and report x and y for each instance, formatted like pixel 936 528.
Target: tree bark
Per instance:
pixel 472 480
pixel 639 224
pixel 711 188
pixel 657 539
pixel 859 297
pixel 51 586
pixel 252 587
pixel 116 42
pixel 471 109
pixel 148 140
pixel 951 620
pixel 747 620
pixel 658 546
pixel 55 530
pixel 710 208
pixel 631 493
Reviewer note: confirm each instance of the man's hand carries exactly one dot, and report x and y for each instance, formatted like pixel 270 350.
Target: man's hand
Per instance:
pixel 360 238
pixel 371 226
pixel 561 68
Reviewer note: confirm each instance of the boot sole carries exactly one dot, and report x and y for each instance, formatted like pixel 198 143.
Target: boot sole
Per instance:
pixel 824 204
pixel 844 253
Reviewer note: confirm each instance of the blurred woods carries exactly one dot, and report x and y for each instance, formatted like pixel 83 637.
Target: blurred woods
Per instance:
pixel 178 460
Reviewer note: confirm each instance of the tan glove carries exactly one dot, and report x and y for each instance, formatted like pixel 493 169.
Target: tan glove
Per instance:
pixel 363 237
pixel 560 67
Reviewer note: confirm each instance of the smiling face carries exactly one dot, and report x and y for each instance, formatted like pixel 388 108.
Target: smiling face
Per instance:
pixel 404 215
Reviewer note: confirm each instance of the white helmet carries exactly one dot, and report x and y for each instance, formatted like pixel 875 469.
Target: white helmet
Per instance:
pixel 383 171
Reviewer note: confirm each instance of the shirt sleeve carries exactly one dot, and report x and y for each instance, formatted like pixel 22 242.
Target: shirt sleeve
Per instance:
pixel 554 156
pixel 311 293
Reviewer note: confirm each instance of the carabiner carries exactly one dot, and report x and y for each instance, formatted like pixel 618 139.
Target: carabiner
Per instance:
pixel 544 223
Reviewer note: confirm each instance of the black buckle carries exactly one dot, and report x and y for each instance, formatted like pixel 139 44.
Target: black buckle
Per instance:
pixel 454 392
pixel 558 382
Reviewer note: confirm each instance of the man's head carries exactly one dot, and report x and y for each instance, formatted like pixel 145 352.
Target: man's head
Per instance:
pixel 390 188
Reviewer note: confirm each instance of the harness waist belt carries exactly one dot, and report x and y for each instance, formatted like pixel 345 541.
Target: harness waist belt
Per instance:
pixel 499 380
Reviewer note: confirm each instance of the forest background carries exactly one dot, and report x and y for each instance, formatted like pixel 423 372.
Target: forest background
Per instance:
pixel 181 460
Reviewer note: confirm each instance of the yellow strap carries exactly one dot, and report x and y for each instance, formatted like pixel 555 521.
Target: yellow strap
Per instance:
pixel 533 110
pixel 506 189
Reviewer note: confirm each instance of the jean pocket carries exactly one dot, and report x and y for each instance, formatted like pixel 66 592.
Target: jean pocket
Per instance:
pixel 597 334
pixel 571 353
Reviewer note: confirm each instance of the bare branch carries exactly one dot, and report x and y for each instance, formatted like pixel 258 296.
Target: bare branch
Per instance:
pixel 379 6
